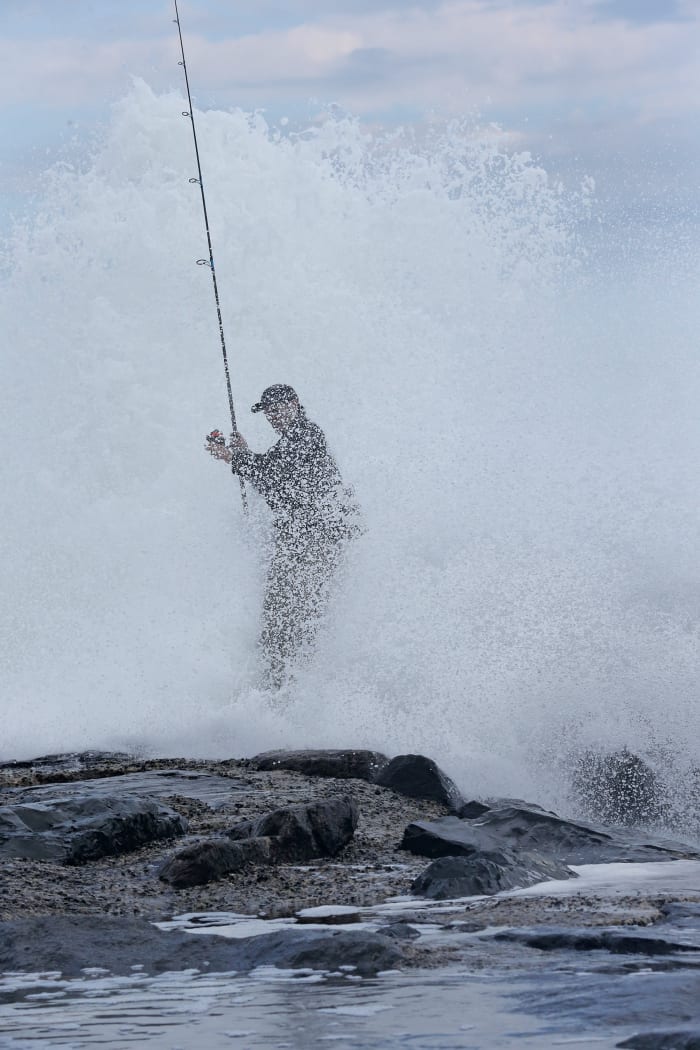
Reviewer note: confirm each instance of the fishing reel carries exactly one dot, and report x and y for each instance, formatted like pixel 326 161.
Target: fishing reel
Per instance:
pixel 216 446
pixel 216 439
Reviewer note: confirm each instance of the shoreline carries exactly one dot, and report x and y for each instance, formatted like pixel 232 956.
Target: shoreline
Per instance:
pixel 212 795
pixel 114 921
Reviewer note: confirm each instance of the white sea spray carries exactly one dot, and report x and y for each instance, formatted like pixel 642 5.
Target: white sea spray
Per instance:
pixel 522 433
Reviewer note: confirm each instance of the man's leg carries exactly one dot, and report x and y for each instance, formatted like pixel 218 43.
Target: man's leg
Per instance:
pixel 279 639
pixel 315 572
pixel 298 588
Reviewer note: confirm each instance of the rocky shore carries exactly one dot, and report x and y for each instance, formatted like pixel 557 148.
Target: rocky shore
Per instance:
pixel 96 848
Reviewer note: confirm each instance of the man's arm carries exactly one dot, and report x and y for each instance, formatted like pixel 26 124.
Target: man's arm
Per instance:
pixel 315 462
pixel 249 465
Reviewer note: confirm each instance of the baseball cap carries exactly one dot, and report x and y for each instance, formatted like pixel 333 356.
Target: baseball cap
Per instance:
pixel 275 395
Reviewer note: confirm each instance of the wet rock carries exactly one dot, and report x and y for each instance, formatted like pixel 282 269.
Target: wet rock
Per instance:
pixel 152 783
pixel 84 828
pixel 419 777
pixel 329 915
pixel 615 941
pixel 473 809
pixel 205 862
pixel 682 914
pixel 343 765
pixel 296 948
pixel 485 873
pixel 521 826
pixel 664 1041
pixel 618 788
pixel 70 943
pixel 400 931
pixel 304 831
pixel 70 761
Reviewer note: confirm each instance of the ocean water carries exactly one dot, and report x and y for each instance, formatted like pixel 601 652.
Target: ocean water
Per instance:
pixel 511 388
pixel 282 1009
pixel 490 994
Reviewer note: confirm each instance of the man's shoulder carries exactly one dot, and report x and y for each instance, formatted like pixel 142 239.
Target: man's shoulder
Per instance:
pixel 314 429
pixel 311 433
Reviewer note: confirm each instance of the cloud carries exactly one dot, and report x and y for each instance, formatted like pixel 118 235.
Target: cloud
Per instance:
pixel 644 11
pixel 518 56
pixel 543 57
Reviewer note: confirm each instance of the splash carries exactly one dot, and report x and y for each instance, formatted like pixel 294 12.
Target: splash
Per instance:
pixel 522 437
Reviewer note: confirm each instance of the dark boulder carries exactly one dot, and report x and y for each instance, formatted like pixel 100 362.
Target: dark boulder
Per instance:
pixel 473 809
pixel 617 788
pixel 289 834
pixel 207 861
pixel 70 943
pixel 83 828
pixel 302 832
pixel 419 777
pixel 485 873
pixel 618 942
pixel 682 1040
pixel 522 827
pixel 343 765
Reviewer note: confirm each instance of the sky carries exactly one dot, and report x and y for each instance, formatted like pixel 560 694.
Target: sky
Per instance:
pixel 607 88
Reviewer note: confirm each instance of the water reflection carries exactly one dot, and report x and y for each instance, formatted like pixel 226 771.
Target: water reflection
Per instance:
pixel 273 1009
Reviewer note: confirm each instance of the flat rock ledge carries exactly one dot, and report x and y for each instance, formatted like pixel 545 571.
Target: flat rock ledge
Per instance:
pixel 70 943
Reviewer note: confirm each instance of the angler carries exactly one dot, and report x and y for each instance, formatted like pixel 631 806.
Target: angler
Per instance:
pixel 314 517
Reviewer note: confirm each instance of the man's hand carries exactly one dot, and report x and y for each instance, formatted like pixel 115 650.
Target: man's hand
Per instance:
pixel 237 441
pixel 216 446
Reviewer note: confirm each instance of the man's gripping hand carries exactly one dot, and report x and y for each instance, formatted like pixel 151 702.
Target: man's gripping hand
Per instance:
pixel 216 446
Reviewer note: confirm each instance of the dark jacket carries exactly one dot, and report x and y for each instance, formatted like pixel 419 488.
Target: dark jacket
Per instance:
pixel 300 481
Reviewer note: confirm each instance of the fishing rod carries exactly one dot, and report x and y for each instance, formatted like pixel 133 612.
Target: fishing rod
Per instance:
pixel 210 261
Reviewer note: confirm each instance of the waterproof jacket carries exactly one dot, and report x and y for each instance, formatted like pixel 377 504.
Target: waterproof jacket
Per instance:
pixel 300 481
